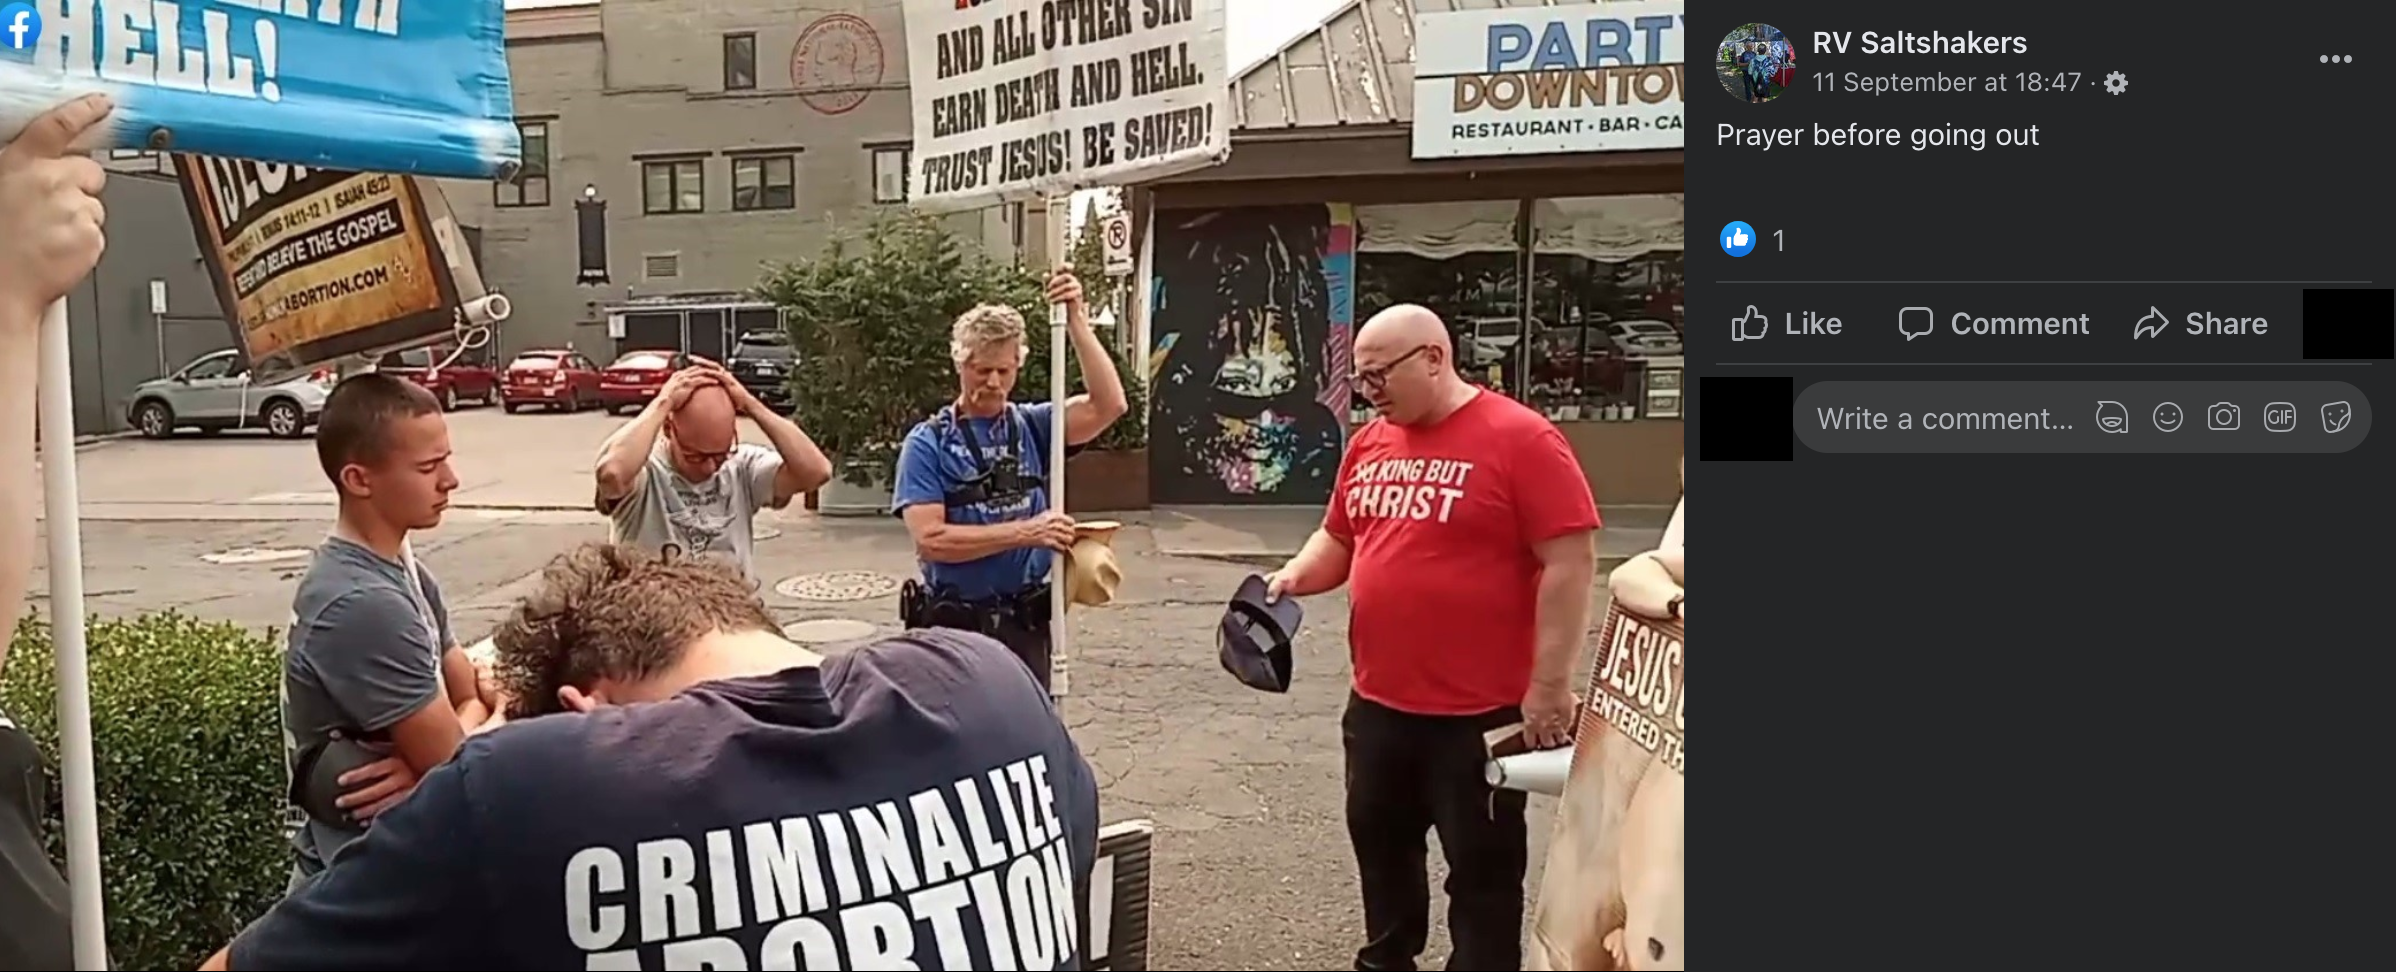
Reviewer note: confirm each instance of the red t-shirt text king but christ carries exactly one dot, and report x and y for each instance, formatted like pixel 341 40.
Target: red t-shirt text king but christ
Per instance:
pixel 1442 519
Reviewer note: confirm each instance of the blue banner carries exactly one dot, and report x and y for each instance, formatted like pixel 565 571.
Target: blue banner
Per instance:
pixel 409 86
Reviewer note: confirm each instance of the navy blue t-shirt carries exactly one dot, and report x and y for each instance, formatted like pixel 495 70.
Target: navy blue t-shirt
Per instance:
pixel 936 458
pixel 912 804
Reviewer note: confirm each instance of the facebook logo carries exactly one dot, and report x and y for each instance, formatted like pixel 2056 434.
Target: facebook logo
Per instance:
pixel 24 26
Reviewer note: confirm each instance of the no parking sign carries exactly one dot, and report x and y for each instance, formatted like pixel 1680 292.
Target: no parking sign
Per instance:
pixel 1117 229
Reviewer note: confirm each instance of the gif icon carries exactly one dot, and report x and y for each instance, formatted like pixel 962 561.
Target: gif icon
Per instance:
pixel 2279 417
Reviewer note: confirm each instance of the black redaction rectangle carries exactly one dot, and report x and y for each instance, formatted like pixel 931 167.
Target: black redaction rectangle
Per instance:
pixel 1745 419
pixel 2350 324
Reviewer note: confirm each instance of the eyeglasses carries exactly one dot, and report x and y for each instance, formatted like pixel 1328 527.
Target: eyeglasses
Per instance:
pixel 1375 378
pixel 697 458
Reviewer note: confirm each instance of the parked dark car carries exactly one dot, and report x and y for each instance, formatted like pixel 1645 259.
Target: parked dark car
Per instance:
pixel 637 377
pixel 761 360
pixel 467 378
pixel 560 380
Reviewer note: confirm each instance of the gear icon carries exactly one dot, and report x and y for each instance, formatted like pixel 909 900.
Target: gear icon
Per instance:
pixel 2116 83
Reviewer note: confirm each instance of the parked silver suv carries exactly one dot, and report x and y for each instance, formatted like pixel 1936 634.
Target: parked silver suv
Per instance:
pixel 213 393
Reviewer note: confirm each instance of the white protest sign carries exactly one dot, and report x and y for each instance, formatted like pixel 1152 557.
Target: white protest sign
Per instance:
pixel 1019 99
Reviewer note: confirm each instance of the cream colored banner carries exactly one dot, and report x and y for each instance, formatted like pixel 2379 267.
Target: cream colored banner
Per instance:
pixel 1611 898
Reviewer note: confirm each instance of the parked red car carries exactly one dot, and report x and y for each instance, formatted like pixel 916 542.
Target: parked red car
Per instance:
pixel 636 377
pixel 465 379
pixel 557 380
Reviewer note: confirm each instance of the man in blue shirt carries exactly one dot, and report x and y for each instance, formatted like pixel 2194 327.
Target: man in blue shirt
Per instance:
pixel 679 787
pixel 972 480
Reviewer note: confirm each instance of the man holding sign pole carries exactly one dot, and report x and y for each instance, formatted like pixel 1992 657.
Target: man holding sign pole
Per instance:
pixel 1016 100
pixel 50 238
pixel 975 481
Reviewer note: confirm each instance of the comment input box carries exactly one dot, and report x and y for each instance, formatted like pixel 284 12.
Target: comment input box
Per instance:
pixel 2082 416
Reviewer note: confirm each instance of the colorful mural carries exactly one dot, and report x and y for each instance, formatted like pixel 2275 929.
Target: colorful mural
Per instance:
pixel 1253 314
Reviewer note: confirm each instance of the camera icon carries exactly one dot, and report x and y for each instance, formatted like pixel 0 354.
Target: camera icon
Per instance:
pixel 2222 417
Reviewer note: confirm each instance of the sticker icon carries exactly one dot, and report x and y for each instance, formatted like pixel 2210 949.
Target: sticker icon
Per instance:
pixel 2336 416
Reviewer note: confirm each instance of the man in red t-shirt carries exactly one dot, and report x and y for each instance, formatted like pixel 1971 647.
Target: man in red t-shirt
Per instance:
pixel 1465 531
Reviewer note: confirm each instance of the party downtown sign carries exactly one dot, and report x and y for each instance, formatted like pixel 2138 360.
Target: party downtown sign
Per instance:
pixel 1017 99
pixel 1598 77
pixel 409 86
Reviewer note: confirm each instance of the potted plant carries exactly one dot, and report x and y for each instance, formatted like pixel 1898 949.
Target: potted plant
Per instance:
pixel 869 326
pixel 1110 473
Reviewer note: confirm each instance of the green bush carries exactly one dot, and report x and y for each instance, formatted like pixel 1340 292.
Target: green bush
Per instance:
pixel 189 757
pixel 869 319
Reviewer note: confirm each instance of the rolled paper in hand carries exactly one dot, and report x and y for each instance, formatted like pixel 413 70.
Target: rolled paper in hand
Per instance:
pixel 1540 771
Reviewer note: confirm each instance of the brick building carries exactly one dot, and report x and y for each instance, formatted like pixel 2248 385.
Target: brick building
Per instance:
pixel 722 135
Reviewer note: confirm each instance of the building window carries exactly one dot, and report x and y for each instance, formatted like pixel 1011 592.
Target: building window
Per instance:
pixel 740 62
pixel 530 187
pixel 661 266
pixel 674 187
pixel 890 174
pixel 765 182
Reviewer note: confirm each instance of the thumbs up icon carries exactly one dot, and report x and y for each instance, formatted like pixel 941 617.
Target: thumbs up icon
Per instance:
pixel 1738 237
pixel 1752 327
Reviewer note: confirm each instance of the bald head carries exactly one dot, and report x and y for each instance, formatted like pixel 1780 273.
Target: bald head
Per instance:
pixel 709 405
pixel 1405 364
pixel 1402 328
pixel 703 432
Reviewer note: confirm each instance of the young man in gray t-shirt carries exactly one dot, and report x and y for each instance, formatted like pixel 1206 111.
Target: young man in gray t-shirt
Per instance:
pixel 371 658
pixel 678 478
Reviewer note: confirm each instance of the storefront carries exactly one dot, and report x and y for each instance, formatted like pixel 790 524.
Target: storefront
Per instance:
pixel 1547 236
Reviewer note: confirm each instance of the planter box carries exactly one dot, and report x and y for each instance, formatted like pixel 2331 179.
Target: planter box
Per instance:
pixel 843 498
pixel 1099 481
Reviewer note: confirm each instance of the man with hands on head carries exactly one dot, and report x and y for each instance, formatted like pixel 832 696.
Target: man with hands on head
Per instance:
pixel 1465 531
pixel 677 478
pixel 50 238
pixel 972 480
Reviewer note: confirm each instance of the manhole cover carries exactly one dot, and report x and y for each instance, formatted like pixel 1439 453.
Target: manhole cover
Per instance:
pixel 257 555
pixel 838 585
pixel 825 631
pixel 764 533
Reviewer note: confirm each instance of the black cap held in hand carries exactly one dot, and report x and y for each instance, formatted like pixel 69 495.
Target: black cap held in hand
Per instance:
pixel 1255 637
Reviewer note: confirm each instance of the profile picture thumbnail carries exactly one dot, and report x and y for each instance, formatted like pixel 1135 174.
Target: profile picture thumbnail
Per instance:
pixel 1756 63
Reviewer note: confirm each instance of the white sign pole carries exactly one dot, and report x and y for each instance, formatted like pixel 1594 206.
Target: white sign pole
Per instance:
pixel 1060 348
pixel 63 508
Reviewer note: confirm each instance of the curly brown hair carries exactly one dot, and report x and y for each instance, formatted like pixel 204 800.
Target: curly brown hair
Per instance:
pixel 614 612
